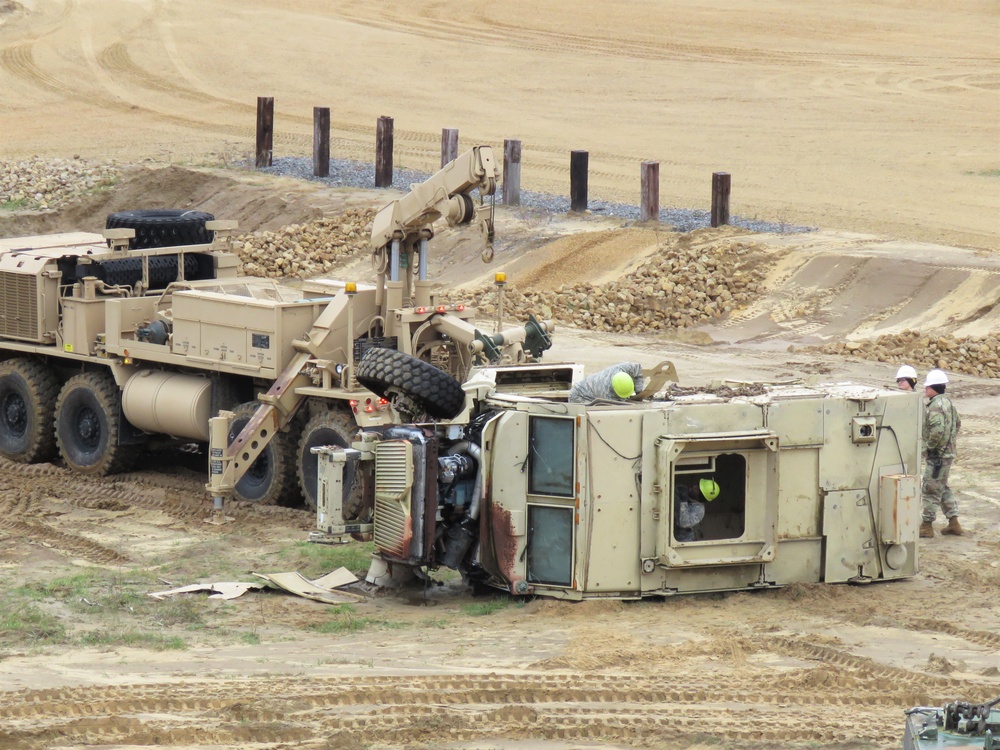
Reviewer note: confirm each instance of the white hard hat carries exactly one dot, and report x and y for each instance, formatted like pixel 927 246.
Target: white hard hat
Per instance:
pixel 935 377
pixel 906 372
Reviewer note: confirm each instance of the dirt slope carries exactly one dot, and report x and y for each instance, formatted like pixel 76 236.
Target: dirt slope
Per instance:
pixel 866 116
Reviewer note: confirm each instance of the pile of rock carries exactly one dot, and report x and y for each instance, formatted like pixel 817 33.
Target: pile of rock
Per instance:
pixel 39 183
pixel 682 285
pixel 306 250
pixel 971 355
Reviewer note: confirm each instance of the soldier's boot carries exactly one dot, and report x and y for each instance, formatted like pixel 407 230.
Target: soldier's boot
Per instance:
pixel 926 530
pixel 953 527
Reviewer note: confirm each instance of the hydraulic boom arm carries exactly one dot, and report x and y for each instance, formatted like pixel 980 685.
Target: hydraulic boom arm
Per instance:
pixel 445 194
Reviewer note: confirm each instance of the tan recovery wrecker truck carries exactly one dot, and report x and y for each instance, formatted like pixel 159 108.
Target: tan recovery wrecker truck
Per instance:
pixel 111 343
pixel 534 495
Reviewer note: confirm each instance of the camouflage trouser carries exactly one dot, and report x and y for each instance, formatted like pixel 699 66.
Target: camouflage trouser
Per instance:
pixel 687 515
pixel 936 491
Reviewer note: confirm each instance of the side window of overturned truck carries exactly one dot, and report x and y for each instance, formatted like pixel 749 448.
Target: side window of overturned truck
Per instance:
pixel 551 502
pixel 725 515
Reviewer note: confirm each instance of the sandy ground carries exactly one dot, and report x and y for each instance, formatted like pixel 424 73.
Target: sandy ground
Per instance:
pixel 869 116
pixel 806 666
pixel 874 118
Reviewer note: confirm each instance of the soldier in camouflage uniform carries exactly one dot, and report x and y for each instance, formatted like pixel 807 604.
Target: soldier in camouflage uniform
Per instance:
pixel 941 426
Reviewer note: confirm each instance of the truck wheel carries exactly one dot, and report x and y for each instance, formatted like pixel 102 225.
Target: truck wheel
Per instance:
pixel 28 393
pixel 88 425
pixel 163 227
pixel 333 427
pixel 383 370
pixel 270 480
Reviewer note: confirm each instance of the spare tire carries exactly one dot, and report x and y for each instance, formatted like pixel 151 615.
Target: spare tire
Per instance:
pixel 162 227
pixel 383 370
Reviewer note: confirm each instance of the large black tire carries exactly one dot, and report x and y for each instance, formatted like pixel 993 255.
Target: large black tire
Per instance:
pixel 88 425
pixel 382 370
pixel 28 391
pixel 163 227
pixel 271 479
pixel 331 427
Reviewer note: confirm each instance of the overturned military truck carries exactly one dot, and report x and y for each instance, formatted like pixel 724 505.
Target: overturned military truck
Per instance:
pixel 529 493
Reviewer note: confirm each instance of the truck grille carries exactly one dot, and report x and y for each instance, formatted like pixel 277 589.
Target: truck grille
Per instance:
pixel 19 306
pixel 393 480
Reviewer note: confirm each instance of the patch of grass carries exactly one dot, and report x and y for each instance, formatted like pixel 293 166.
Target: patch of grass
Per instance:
pixel 132 638
pixel 344 625
pixel 345 619
pixel 119 609
pixel 65 588
pixel 209 560
pixel 480 609
pixel 990 173
pixel 314 560
pixel 250 639
pixel 187 611
pixel 434 623
pixel 23 622
pixel 15 205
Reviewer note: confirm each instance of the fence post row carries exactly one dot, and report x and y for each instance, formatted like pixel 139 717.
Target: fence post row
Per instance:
pixel 265 130
pixel 650 189
pixel 383 152
pixel 720 198
pixel 449 145
pixel 578 166
pixel 512 172
pixel 321 141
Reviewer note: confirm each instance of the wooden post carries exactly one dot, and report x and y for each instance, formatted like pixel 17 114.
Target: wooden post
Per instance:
pixel 720 198
pixel 383 153
pixel 321 141
pixel 512 172
pixel 449 145
pixel 578 165
pixel 265 130
pixel 650 186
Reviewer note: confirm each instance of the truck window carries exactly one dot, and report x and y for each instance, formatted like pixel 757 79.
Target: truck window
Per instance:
pixel 550 545
pixel 725 517
pixel 550 456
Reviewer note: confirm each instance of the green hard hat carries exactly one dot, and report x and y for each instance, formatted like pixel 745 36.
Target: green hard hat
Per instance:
pixel 709 488
pixel 623 385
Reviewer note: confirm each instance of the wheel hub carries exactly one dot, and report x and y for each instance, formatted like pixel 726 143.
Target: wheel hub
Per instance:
pixel 88 427
pixel 15 413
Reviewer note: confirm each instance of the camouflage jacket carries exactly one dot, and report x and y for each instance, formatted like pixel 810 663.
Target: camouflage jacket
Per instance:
pixel 941 426
pixel 688 512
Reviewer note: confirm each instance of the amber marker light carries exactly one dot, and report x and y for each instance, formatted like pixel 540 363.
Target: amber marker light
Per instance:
pixel 351 288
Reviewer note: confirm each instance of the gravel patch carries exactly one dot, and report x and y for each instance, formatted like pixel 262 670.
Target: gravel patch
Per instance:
pixel 356 174
pixel 972 355
pixel 48 183
pixel 691 280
